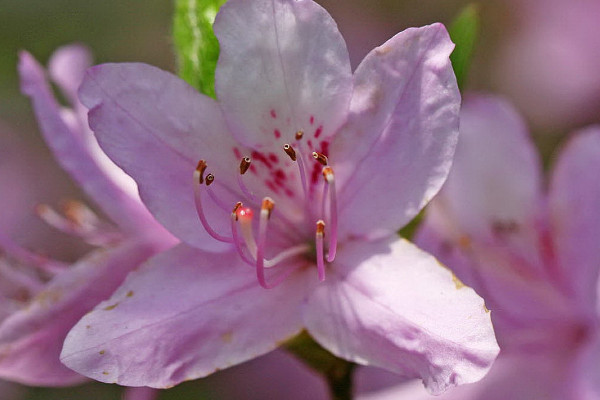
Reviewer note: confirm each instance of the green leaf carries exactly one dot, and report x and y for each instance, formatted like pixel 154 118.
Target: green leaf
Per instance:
pixel 196 46
pixel 463 31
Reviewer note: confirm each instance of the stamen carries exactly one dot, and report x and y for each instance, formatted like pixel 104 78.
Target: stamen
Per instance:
pixel 244 217
pixel 321 158
pixel 244 165
pixel 265 213
pixel 320 232
pixel 236 238
pixel 25 256
pixel 210 178
pixel 289 150
pixel 329 178
pixel 201 167
pixel 85 226
pixel 292 154
pixel 299 134
pixel 198 179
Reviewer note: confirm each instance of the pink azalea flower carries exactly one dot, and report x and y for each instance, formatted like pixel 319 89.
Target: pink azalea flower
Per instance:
pixel 330 164
pixel 48 297
pixel 532 253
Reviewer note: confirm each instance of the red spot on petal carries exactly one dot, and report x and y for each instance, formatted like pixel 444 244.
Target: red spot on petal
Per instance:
pixel 260 157
pixel 272 186
pixel 325 148
pixel 312 119
pixel 289 193
pixel 318 131
pixel 277 133
pixel 273 158
pixel 279 174
pixel 309 143
pixel 273 114
pixel 237 152
pixel 316 172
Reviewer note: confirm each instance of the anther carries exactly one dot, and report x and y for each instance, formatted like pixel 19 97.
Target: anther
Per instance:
pixel 267 206
pixel 321 158
pixel 320 227
pixel 289 150
pixel 201 167
pixel 210 178
pixel 299 134
pixel 244 165
pixel 328 174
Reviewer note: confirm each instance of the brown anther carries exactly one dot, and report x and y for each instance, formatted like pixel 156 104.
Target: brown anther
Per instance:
pixel 244 165
pixel 289 150
pixel 321 158
pixel 210 178
pixel 201 167
pixel 328 174
pixel 299 135
pixel 235 209
pixel 268 205
pixel 320 227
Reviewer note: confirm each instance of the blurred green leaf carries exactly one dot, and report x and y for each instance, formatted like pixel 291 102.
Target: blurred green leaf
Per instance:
pixel 196 46
pixel 409 230
pixel 463 31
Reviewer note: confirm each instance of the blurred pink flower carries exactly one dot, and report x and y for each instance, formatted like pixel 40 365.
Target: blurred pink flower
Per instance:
pixel 532 254
pixel 285 88
pixel 549 65
pixel 43 298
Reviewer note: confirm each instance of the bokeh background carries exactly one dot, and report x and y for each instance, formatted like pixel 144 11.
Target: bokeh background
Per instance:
pixel 543 55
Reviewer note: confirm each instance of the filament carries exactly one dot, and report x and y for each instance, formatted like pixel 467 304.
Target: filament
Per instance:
pixel 329 178
pixel 198 179
pixel 320 232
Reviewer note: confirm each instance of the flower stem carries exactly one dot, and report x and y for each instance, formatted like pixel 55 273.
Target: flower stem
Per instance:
pixel 337 372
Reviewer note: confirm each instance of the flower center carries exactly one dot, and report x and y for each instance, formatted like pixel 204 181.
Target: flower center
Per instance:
pixel 251 242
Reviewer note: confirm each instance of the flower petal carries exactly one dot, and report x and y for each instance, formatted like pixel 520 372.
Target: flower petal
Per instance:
pixel 67 66
pixel 496 176
pixel 391 305
pixel 401 132
pixel 184 315
pixel 79 155
pixel 283 67
pixel 31 339
pixel 513 376
pixel 574 202
pixel 156 127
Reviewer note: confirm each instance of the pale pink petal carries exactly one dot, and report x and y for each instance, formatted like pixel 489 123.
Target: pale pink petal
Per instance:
pixel 283 67
pixel 496 176
pixel 67 66
pixel 156 127
pixel 183 315
pixel 512 377
pixel 525 305
pixel 401 132
pixel 574 202
pixel 31 339
pixel 583 379
pixel 71 149
pixel 391 305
